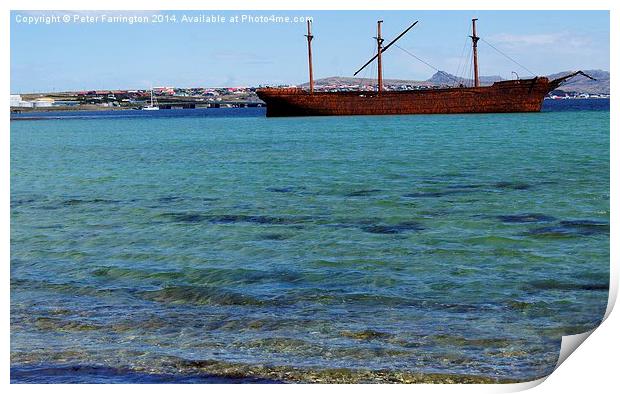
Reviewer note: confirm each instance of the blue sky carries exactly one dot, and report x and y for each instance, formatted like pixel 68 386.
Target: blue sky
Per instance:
pixel 78 56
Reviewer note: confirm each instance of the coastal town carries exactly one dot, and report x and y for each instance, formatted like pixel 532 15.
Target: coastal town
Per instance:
pixel 166 97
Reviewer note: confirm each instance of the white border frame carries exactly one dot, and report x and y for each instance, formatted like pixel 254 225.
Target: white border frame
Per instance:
pixel 594 365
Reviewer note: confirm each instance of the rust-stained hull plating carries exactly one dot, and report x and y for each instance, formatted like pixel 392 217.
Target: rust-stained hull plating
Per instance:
pixel 525 95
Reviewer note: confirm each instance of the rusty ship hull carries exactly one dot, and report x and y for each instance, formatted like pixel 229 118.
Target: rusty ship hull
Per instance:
pixel 524 95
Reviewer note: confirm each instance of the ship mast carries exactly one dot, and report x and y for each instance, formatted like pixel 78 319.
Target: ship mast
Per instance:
pixel 379 64
pixel 474 39
pixel 310 37
pixel 380 50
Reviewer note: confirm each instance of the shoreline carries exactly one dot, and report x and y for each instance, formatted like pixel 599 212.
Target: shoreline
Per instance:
pixel 241 104
pixel 57 113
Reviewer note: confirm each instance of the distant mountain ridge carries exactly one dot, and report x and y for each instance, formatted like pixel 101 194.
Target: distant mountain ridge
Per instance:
pixel 578 84
pixel 442 77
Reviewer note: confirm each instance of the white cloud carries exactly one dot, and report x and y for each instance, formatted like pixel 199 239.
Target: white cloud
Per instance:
pixel 542 40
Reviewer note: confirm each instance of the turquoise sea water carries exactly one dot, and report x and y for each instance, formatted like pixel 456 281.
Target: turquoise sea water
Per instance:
pixel 240 248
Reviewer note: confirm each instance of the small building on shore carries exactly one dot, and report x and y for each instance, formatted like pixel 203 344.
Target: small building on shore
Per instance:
pixel 43 102
pixel 17 101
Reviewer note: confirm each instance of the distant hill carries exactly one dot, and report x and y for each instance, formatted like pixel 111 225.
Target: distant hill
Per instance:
pixel 578 84
pixel 443 78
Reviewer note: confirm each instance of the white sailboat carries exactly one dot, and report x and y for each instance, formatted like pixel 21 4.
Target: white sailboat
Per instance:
pixel 153 106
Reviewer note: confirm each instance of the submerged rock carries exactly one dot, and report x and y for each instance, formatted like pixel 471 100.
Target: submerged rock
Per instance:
pixel 273 237
pixel 199 295
pixel 365 335
pixel 587 227
pixel 170 199
pixel 192 217
pixel 186 217
pixel 281 189
pixel 432 194
pixel 513 185
pixel 526 218
pixel 58 324
pixel 552 284
pixel 465 186
pixel 76 201
pixel 570 228
pixel 363 193
pixel 393 228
